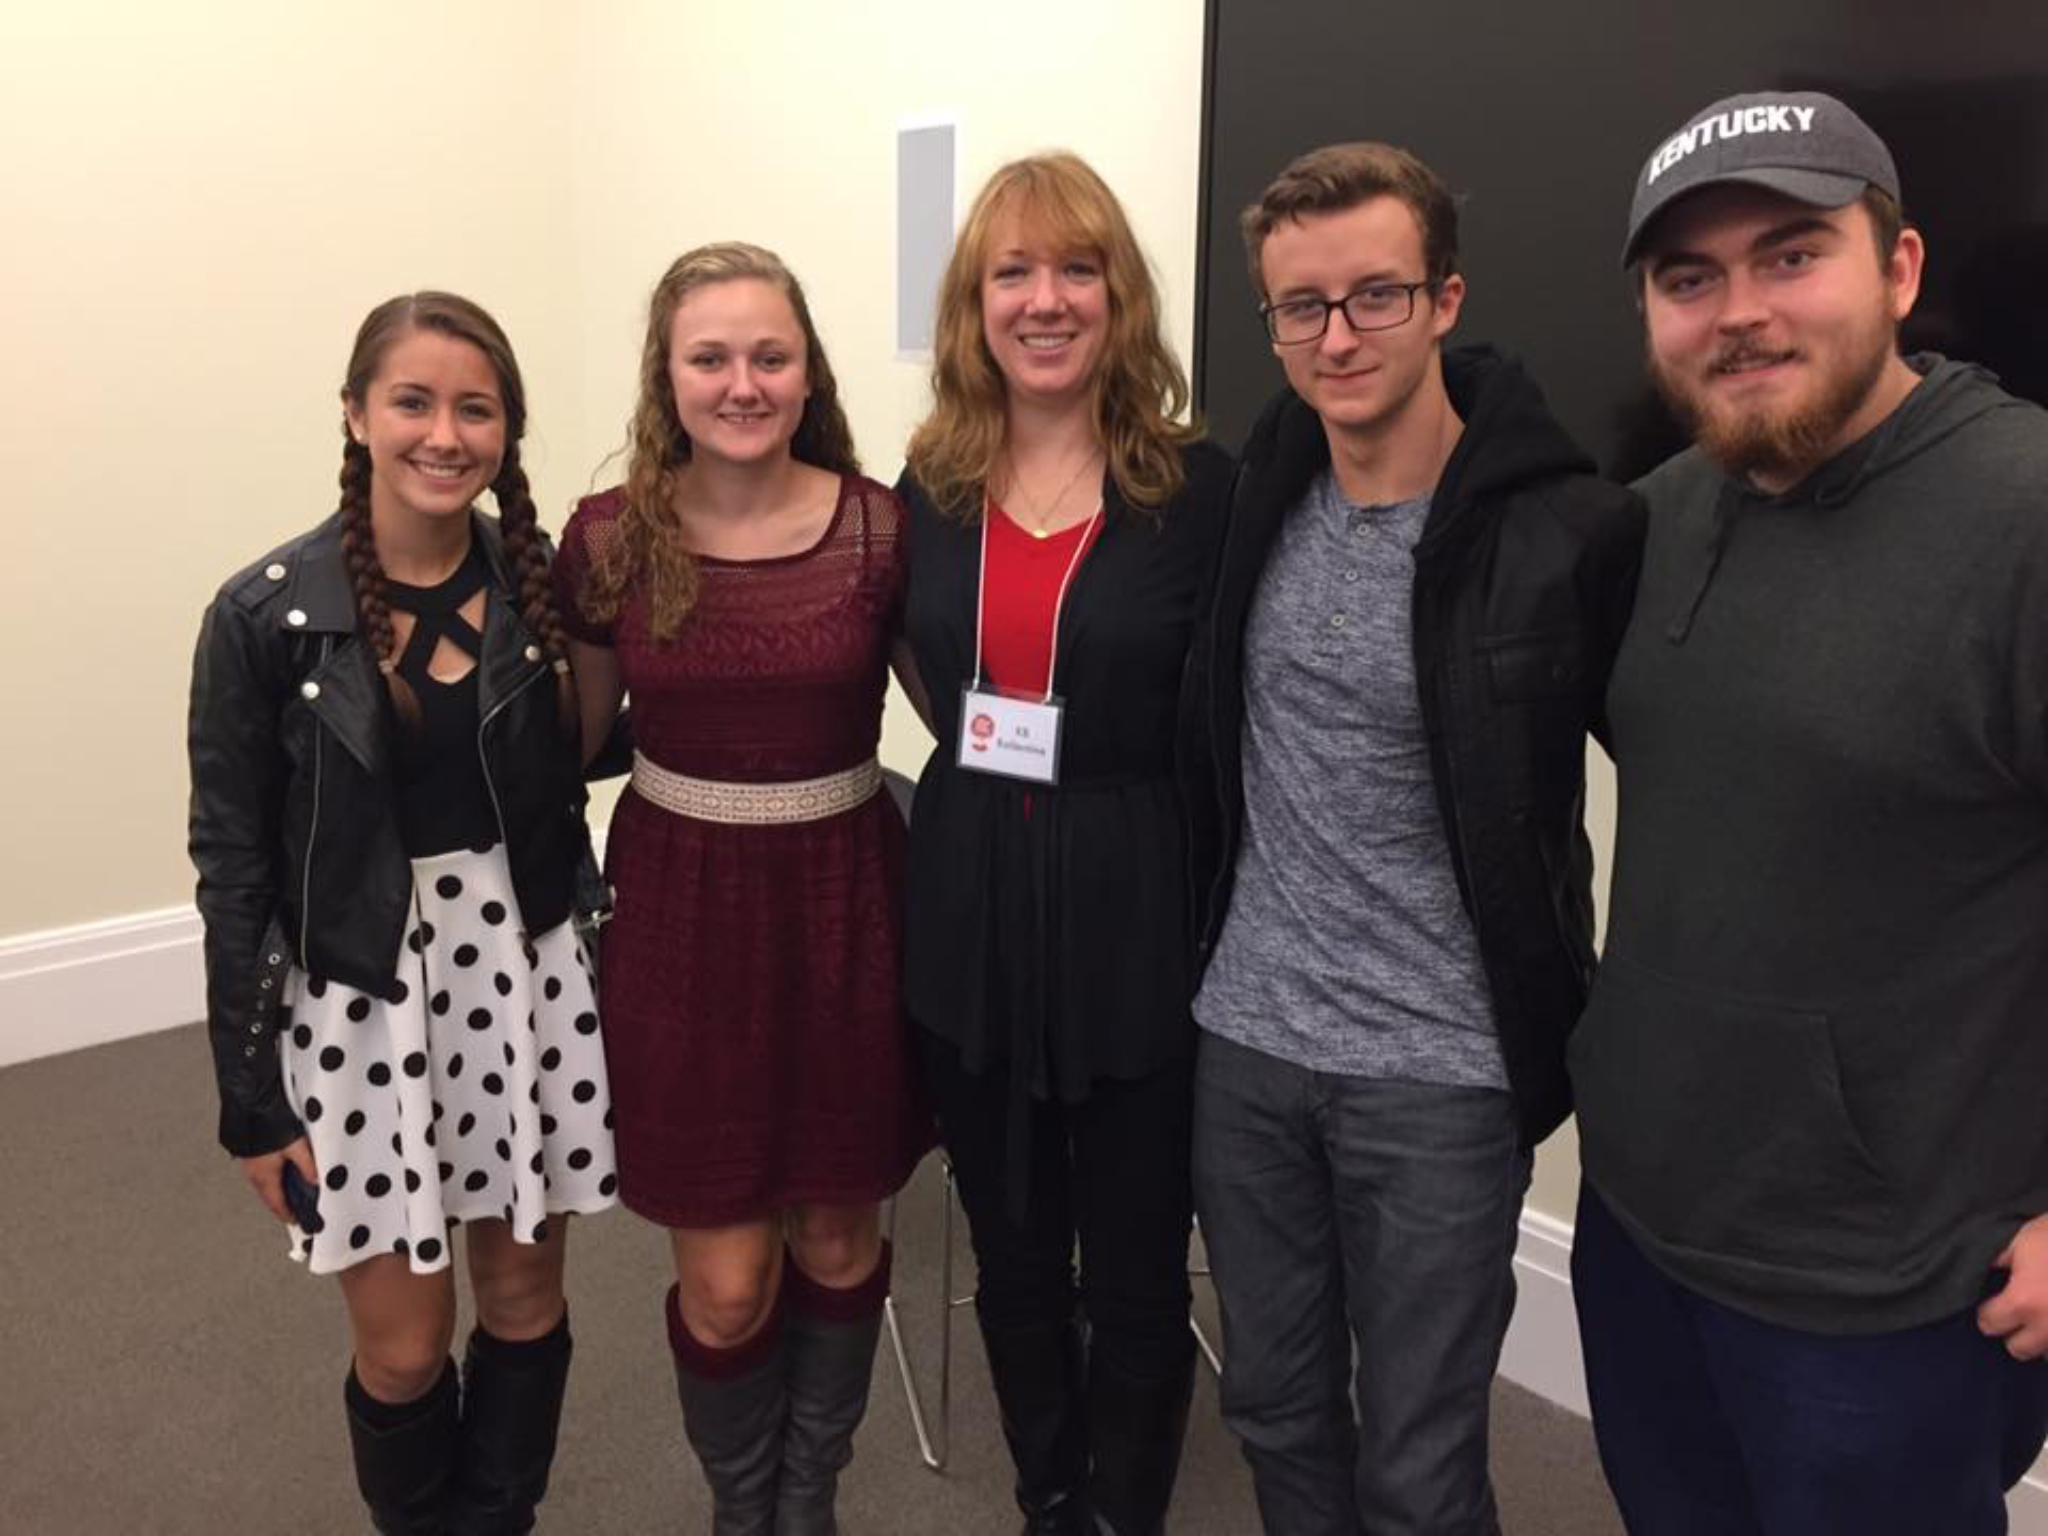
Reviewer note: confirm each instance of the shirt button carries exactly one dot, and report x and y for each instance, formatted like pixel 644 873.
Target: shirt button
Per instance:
pixel 296 618
pixel 249 1050
pixel 533 653
pixel 274 571
pixel 1336 621
pixel 1351 575
pixel 309 689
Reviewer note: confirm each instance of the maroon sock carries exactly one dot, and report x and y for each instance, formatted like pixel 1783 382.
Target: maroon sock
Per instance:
pixel 708 1360
pixel 829 1304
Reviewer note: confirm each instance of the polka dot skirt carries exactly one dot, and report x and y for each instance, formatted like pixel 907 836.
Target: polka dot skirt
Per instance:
pixel 477 1092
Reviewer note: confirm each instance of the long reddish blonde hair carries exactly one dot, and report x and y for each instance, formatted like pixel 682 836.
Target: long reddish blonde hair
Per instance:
pixel 1139 396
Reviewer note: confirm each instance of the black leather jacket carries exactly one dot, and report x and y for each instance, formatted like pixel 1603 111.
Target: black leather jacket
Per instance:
pixel 294 829
pixel 1524 580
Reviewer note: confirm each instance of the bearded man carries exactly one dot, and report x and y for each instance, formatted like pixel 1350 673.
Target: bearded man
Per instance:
pixel 1811 1260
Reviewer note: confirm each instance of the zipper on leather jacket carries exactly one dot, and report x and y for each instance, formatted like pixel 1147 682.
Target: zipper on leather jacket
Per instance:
pixel 484 758
pixel 312 827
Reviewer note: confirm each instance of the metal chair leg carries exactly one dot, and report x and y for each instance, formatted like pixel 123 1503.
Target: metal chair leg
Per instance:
pixel 1200 1271
pixel 933 1449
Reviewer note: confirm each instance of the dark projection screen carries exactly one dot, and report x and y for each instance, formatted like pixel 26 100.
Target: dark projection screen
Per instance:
pixel 1539 116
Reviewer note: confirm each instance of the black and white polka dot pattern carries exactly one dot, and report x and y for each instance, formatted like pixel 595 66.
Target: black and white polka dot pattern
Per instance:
pixel 476 1091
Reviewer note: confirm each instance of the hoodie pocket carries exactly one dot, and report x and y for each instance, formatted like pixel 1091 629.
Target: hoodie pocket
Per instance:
pixel 1719 1124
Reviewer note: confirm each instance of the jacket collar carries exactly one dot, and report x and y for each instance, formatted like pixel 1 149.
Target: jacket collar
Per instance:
pixel 349 698
pixel 323 598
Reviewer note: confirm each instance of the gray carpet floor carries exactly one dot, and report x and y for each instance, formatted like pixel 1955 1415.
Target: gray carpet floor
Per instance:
pixel 164 1369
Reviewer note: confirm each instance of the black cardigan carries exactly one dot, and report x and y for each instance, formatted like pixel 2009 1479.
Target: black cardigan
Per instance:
pixel 1054 925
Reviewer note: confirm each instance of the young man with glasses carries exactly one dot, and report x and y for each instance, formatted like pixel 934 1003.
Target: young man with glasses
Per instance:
pixel 1811 1259
pixel 1421 588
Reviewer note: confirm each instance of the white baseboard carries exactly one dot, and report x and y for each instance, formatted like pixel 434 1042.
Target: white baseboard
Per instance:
pixel 1542 1349
pixel 64 989
pixel 1541 1354
pixel 67 988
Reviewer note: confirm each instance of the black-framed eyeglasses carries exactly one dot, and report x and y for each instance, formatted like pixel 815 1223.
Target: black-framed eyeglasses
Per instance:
pixel 1375 307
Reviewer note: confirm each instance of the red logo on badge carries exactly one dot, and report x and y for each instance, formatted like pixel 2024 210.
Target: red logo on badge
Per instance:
pixel 981 727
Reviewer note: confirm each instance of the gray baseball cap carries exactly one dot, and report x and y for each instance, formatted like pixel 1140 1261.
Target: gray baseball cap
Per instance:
pixel 1801 143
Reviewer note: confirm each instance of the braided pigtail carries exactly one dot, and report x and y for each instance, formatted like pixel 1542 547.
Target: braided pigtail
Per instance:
pixel 521 525
pixel 366 575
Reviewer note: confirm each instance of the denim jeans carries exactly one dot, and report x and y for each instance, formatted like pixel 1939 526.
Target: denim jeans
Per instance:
pixel 1339 1212
pixel 1714 1423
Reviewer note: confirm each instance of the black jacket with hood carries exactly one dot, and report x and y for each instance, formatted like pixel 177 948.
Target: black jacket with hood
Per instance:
pixel 1524 577
pixel 294 822
pixel 1813 1078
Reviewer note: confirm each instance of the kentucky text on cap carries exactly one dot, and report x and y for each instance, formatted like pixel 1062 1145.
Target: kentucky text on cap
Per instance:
pixel 1729 125
pixel 1801 143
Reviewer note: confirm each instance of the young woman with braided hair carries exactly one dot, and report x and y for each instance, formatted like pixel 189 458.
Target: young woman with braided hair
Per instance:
pixel 387 820
pixel 745 586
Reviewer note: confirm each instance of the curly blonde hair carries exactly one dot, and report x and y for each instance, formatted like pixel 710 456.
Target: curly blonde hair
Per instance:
pixel 657 446
pixel 1139 394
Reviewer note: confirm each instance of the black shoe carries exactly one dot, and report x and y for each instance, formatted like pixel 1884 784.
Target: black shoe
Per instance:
pixel 1135 1428
pixel 405 1455
pixel 734 1423
pixel 1037 1375
pixel 1064 1516
pixel 511 1405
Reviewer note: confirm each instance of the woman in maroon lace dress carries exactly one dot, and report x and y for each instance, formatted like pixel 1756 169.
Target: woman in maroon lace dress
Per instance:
pixel 744 587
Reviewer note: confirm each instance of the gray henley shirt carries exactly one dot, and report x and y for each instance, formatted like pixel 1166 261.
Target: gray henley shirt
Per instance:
pixel 1346 948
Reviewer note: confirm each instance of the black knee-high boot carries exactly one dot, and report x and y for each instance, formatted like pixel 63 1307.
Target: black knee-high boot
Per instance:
pixel 1135 1428
pixel 1037 1373
pixel 405 1455
pixel 735 1403
pixel 831 1338
pixel 511 1406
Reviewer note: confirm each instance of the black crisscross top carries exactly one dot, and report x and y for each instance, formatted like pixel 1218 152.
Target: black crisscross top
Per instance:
pixel 443 801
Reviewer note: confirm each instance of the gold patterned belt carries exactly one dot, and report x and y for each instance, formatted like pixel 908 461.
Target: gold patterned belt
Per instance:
pixel 756 804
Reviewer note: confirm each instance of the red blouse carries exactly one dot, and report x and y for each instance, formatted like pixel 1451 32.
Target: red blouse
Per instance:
pixel 1020 597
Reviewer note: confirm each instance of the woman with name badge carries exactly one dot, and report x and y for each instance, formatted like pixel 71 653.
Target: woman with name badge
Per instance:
pixel 387 819
pixel 744 587
pixel 1063 521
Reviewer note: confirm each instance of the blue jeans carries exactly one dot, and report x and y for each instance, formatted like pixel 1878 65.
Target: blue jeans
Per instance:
pixel 1714 1423
pixel 1341 1211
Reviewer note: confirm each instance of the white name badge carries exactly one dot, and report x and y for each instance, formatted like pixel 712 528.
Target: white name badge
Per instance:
pixel 1017 738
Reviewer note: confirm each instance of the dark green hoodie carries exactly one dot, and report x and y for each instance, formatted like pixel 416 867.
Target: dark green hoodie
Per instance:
pixel 1812 1080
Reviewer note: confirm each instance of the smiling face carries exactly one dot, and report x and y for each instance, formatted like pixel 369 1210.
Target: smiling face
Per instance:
pixel 736 365
pixel 433 418
pixel 1771 326
pixel 1044 313
pixel 1359 382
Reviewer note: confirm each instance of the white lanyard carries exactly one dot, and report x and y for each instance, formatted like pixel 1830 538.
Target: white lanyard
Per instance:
pixel 989 510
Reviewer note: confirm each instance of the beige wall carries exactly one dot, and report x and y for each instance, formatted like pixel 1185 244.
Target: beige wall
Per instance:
pixel 213 194
pixel 201 201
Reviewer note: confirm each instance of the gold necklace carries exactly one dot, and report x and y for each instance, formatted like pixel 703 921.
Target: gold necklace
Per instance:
pixel 1040 519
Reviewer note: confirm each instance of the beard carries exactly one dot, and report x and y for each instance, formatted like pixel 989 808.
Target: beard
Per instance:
pixel 1788 441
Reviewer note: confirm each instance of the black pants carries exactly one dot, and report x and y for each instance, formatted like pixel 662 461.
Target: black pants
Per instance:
pixel 1113 1173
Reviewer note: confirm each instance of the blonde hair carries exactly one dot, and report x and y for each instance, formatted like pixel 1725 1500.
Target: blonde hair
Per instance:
pixel 657 446
pixel 1139 393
